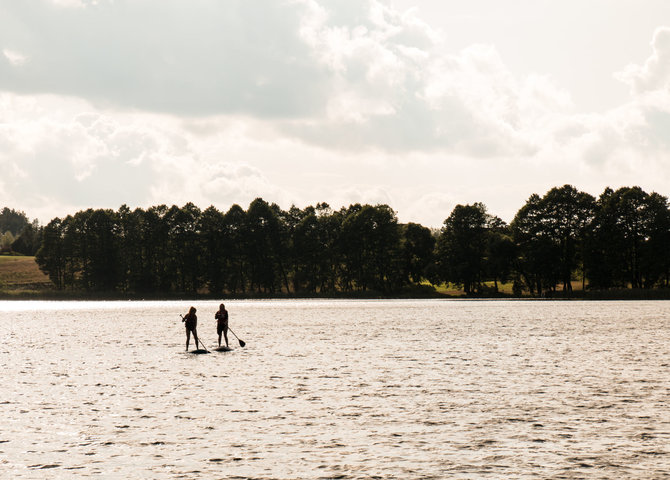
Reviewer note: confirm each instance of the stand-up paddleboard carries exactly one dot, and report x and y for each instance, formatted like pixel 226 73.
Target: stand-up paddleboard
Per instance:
pixel 223 349
pixel 198 351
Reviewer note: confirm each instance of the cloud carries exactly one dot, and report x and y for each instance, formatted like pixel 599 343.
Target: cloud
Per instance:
pixel 297 101
pixel 60 154
pixel 164 56
pixel 647 117
pixel 433 205
pixel 632 139
pixel 348 75
pixel 395 87
pixel 358 193
pixel 220 184
pixel 654 75
pixel 15 58
pixel 73 3
pixel 61 157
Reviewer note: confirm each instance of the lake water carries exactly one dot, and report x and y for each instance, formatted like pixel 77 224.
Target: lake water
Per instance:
pixel 337 389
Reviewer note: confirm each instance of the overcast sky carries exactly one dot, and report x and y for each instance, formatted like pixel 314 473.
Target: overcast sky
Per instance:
pixel 419 104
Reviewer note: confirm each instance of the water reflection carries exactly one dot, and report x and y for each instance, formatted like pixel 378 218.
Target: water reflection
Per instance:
pixel 346 389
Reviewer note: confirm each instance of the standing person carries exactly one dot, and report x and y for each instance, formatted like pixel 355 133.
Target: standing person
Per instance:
pixel 191 322
pixel 222 323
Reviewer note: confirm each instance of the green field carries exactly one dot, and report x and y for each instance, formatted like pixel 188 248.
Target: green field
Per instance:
pixel 21 276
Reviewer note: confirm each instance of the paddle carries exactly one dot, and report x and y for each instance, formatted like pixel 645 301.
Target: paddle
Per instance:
pixel 242 344
pixel 196 338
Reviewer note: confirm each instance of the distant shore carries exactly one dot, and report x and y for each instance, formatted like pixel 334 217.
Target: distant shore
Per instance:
pixel 21 279
pixel 55 295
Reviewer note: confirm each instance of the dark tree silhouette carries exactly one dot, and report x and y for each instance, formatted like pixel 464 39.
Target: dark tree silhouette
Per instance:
pixel 620 240
pixel 462 247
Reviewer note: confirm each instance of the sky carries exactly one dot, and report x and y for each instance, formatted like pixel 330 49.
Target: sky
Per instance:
pixel 418 104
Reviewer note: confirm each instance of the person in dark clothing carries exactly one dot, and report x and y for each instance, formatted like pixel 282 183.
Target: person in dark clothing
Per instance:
pixel 222 323
pixel 191 322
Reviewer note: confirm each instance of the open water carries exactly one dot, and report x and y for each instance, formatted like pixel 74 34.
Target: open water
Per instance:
pixel 337 389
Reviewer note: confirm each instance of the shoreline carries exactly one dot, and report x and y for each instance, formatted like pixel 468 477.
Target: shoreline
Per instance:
pixel 600 295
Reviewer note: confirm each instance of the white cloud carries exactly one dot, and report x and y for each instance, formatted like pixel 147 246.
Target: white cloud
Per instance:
pixel 60 154
pixel 62 161
pixel 395 88
pixel 654 75
pixel 346 75
pixel 434 207
pixel 15 58
pixel 359 193
pixel 74 3
pixel 165 56
pixel 297 102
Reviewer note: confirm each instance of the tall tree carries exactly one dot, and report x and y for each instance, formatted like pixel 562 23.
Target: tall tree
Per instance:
pixel 73 251
pixel 235 250
pixel 284 230
pixel 158 270
pixel 100 238
pixel 184 248
pixel 131 266
pixel 418 245
pixel 331 259
pixel 550 233
pixel 603 255
pixel 264 246
pixel 461 247
pixel 213 241
pixel 501 251
pixel 6 240
pixel 567 212
pixel 29 240
pixel 628 239
pixel 371 248
pixel 307 248
pixel 12 221
pixel 655 261
pixel 50 256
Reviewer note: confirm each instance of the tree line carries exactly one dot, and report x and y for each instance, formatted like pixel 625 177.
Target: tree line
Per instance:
pixel 17 233
pixel 261 250
pixel 618 240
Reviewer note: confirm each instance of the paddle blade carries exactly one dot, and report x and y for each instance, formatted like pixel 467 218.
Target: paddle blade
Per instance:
pixel 242 344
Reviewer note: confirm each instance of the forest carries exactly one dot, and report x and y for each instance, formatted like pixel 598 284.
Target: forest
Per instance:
pixel 17 233
pixel 618 240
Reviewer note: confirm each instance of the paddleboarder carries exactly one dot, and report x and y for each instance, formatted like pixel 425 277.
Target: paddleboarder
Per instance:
pixel 222 323
pixel 191 322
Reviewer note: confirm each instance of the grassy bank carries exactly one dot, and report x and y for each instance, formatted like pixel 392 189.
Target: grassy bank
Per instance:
pixel 20 277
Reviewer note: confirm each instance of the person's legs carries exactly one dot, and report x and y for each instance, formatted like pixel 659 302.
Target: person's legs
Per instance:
pixel 188 338
pixel 225 334
pixel 219 338
pixel 195 337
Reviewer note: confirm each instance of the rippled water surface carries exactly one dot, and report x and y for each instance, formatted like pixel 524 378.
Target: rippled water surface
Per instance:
pixel 337 389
